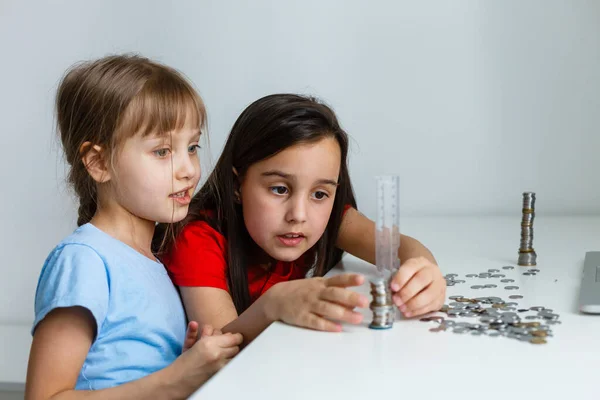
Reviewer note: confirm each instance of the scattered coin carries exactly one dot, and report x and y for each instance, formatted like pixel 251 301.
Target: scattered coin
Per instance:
pixel 494 317
pixel 511 287
pixel 515 296
pixel 508 267
pixel 507 280
pixel 537 340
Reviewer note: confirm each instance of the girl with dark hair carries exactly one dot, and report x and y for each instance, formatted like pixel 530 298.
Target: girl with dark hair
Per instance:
pixel 278 207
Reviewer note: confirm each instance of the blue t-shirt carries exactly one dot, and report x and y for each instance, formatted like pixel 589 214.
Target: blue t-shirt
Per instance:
pixel 140 319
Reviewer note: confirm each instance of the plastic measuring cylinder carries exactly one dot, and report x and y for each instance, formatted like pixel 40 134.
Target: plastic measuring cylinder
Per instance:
pixel 387 224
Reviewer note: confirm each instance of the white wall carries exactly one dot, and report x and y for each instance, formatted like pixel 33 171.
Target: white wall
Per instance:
pixel 470 102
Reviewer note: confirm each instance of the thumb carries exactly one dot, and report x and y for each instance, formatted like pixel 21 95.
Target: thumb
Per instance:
pixel 190 336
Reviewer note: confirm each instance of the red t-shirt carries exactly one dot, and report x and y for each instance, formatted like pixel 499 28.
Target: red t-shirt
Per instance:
pixel 199 259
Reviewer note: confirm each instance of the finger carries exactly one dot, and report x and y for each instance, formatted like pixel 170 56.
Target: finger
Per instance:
pixel 407 271
pixel 417 283
pixel 430 299
pixel 337 312
pixel 230 352
pixel 217 332
pixel 191 335
pixel 228 340
pixel 314 321
pixel 192 330
pixel 345 280
pixel 435 305
pixel 344 297
pixel 427 296
pixel 207 330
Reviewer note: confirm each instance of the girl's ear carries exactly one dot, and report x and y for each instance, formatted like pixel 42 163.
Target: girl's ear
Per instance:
pixel 236 183
pixel 94 160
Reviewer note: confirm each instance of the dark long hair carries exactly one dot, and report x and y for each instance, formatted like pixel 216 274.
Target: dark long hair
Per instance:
pixel 265 128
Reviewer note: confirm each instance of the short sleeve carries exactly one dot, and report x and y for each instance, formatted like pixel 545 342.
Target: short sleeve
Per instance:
pixel 73 275
pixel 198 257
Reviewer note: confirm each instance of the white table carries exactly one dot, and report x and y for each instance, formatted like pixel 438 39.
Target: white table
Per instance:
pixel 409 362
pixel 15 342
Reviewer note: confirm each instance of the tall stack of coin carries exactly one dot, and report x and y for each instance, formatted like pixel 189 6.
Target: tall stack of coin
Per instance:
pixel 527 256
pixel 382 306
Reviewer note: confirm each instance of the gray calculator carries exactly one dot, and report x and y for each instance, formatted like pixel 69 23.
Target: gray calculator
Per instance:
pixel 589 293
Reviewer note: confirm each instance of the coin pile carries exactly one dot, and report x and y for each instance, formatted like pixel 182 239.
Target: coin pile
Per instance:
pixel 527 255
pixel 496 317
pixel 382 306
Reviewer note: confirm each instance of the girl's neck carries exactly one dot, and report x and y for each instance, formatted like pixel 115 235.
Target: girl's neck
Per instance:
pixel 122 225
pixel 259 257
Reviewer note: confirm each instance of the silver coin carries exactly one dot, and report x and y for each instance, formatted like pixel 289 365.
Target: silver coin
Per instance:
pixel 508 267
pixel 511 287
pixel 507 280
pixel 534 270
pixel 528 273
pixel 476 287
pixel 509 314
pixel 531 317
pixel 490 286
pixel 488 319
pixel 512 304
pixel 475 333
pixel 515 297
pixel 537 308
pixel 493 270
pixel 552 317
pixel 471 275
pixel 451 275
pixel 459 281
pixel 498 276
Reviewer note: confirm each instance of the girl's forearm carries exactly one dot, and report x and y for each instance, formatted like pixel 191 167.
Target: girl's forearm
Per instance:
pixel 357 237
pixel 256 318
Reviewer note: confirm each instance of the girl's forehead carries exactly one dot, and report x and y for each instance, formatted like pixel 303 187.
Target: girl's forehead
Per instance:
pixel 320 159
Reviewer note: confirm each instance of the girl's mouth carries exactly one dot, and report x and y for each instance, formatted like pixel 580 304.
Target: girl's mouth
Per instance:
pixel 291 239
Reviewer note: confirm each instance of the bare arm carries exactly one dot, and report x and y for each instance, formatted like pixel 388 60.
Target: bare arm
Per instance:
pixel 215 307
pixel 60 346
pixel 357 237
pixel 314 303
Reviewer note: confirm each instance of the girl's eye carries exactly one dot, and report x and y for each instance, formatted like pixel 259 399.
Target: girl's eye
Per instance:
pixel 161 153
pixel 320 195
pixel 280 190
pixel 193 149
